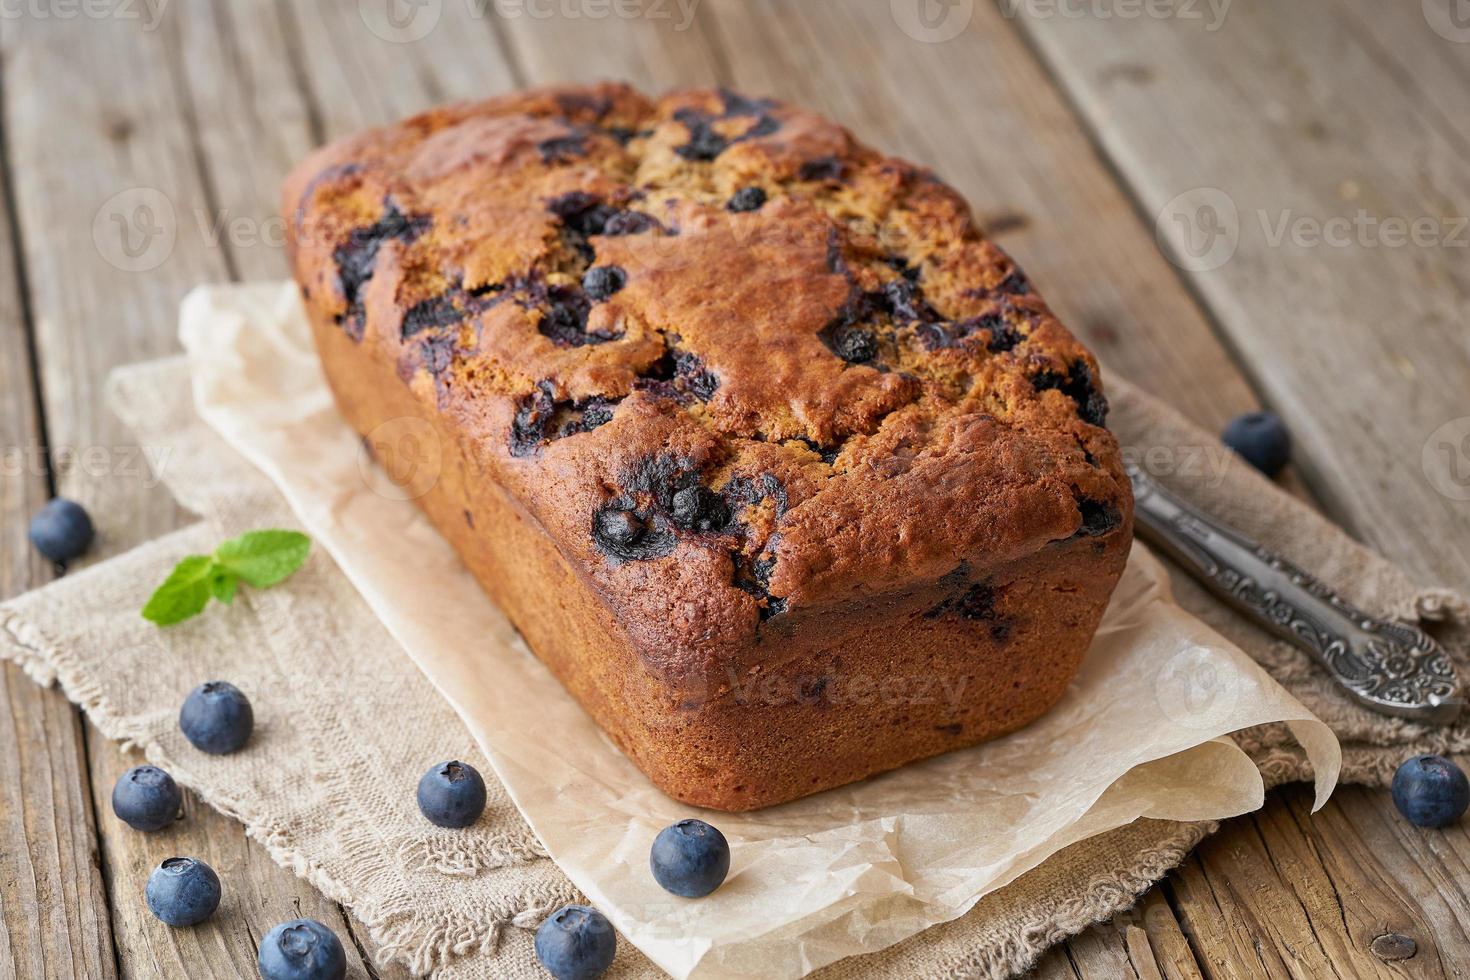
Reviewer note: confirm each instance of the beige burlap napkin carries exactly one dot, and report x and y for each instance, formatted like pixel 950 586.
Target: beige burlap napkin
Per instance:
pixel 348 721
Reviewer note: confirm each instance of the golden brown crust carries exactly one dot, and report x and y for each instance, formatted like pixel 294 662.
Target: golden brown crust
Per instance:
pixel 748 380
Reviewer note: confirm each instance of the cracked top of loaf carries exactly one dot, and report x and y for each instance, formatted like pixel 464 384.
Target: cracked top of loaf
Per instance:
pixel 735 363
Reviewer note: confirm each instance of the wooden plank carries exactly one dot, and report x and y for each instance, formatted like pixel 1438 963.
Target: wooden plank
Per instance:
pixel 354 76
pixel 1117 950
pixel 248 124
pixel 53 907
pixel 1421 906
pixel 653 44
pixel 100 299
pixel 1166 938
pixel 1425 50
pixel 1322 131
pixel 1362 888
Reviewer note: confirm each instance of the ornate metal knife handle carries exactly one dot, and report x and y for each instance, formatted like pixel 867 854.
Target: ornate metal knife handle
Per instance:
pixel 1388 666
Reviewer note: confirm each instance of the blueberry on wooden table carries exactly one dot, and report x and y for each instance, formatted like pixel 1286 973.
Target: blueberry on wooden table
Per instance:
pixel 183 891
pixel 216 717
pixel 1261 438
pixel 61 530
pixel 690 858
pixel 146 798
pixel 302 949
pixel 452 794
pixel 1431 791
pixel 576 943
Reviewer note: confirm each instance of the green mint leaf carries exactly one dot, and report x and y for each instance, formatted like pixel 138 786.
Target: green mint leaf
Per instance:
pixel 259 558
pixel 222 584
pixel 183 594
pixel 264 558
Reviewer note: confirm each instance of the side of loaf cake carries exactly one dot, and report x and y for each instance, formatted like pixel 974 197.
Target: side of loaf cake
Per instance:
pixel 780 465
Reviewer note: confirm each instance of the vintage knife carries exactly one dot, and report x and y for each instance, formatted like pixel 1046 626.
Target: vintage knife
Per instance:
pixel 1391 667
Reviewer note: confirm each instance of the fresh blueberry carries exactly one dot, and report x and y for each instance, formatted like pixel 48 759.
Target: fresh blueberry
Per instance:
pixel 183 891
pixel 747 199
pixel 302 949
pixel 1261 438
pixel 452 794
pixel 61 530
pixel 1430 791
pixel 601 281
pixel 216 717
pixel 690 858
pixel 146 798
pixel 576 943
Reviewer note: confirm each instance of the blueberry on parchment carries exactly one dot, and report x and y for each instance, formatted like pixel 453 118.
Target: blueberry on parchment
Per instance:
pixel 690 858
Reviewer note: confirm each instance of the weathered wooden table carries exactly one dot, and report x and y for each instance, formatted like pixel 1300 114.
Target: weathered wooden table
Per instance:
pixel 1230 202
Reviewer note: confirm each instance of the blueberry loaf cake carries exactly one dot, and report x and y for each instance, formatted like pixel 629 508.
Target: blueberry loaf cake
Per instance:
pixel 780 466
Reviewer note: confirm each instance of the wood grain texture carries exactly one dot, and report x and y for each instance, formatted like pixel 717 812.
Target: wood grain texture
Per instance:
pixel 1100 953
pixel 54 919
pixel 1317 125
pixel 1360 883
pixel 356 77
pixel 1172 953
pixel 105 279
pixel 53 908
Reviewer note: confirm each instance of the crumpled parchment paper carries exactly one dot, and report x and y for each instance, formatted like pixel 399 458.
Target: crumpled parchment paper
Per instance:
pixel 1140 732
